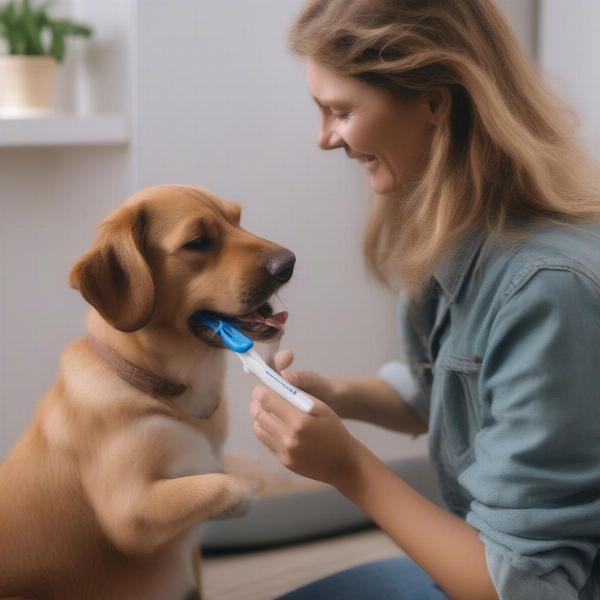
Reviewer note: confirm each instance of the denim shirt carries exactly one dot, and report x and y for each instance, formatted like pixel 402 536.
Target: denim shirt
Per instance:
pixel 503 363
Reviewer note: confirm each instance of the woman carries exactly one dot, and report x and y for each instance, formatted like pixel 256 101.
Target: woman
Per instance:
pixel 487 216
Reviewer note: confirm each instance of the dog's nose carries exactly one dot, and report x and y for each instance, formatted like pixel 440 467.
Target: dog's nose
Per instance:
pixel 280 265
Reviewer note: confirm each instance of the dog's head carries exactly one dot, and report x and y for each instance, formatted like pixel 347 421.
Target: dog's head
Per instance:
pixel 173 251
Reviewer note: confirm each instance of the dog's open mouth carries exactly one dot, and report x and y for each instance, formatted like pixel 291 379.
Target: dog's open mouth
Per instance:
pixel 260 324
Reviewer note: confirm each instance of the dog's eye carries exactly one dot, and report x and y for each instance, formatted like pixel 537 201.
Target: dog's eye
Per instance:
pixel 199 244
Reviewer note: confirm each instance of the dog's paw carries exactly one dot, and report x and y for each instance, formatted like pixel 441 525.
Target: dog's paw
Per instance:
pixel 240 509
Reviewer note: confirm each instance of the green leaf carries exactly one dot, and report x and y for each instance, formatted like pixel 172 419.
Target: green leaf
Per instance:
pixel 40 15
pixel 33 36
pixel 57 47
pixel 8 15
pixel 81 31
pixel 71 28
pixel 15 34
pixel 15 41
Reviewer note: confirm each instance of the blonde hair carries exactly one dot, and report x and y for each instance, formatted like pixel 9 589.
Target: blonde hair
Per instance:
pixel 506 148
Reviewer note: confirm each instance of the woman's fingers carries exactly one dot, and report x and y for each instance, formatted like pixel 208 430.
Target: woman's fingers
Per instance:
pixel 283 359
pixel 309 381
pixel 264 399
pixel 266 438
pixel 268 427
pixel 271 424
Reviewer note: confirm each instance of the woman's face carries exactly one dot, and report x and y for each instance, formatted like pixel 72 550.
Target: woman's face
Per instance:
pixel 387 135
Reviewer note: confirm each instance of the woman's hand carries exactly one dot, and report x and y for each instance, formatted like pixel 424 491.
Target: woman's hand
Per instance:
pixel 315 445
pixel 309 381
pixel 369 399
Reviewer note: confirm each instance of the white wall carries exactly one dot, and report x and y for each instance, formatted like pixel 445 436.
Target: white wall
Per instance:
pixel 215 101
pixel 51 199
pixel 570 60
pixel 523 18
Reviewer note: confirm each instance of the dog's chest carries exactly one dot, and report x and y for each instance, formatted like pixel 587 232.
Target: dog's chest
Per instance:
pixel 196 456
pixel 205 386
pixel 188 451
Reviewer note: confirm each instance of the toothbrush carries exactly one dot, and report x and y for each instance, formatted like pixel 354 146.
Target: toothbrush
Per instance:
pixel 252 361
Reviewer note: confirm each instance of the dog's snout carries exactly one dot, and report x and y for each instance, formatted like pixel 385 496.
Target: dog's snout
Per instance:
pixel 280 265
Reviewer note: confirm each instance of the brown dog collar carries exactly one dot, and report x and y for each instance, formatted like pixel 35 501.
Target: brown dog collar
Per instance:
pixel 139 378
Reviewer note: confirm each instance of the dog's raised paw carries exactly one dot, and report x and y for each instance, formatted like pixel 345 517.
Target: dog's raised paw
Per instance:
pixel 240 509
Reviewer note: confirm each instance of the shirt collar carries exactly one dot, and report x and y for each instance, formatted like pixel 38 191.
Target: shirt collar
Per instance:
pixel 450 274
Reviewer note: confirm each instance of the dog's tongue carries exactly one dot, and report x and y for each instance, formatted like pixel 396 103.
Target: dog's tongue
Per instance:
pixel 277 321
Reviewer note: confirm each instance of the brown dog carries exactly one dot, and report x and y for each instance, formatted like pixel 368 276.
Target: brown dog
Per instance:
pixel 100 497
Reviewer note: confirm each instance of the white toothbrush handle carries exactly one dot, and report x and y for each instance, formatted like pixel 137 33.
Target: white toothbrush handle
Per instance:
pixel 253 363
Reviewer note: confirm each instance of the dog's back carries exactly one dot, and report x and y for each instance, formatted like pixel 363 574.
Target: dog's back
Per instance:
pixel 42 508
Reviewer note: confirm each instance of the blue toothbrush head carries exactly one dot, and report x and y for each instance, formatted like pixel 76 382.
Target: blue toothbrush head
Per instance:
pixel 232 337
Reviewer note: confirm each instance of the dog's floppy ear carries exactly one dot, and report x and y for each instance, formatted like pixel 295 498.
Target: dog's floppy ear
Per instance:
pixel 114 276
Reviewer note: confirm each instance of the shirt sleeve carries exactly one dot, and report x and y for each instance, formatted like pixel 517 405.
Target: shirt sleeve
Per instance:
pixel 411 386
pixel 398 374
pixel 535 481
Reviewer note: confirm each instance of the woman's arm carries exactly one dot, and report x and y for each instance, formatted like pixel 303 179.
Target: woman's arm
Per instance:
pixel 319 446
pixel 369 399
pixel 446 547
pixel 373 400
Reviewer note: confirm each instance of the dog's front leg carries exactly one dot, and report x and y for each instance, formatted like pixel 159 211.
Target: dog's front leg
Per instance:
pixel 140 509
pixel 140 519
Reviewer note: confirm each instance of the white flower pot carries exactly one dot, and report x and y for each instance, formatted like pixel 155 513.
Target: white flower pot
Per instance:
pixel 26 85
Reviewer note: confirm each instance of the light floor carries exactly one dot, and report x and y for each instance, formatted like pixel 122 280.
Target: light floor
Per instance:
pixel 265 574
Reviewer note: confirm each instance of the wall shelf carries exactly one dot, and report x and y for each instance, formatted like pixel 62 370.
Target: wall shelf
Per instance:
pixel 65 130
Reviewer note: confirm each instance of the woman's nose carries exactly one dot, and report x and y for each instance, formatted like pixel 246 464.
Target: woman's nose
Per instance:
pixel 329 139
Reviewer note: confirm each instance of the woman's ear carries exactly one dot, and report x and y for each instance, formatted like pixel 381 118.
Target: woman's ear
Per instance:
pixel 114 276
pixel 438 105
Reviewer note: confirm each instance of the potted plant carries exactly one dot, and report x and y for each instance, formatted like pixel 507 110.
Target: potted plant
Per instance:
pixel 36 44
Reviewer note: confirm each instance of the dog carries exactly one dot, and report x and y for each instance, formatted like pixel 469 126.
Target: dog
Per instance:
pixel 101 497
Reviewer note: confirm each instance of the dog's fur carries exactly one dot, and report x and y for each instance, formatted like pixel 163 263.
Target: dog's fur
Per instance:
pixel 101 496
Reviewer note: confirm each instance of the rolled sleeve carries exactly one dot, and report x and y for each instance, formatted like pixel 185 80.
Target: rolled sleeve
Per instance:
pixel 535 480
pixel 398 375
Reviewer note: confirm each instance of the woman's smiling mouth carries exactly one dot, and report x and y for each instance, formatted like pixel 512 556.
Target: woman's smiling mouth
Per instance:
pixel 363 159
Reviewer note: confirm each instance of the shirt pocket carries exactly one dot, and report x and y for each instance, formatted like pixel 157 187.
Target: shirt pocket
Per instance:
pixel 460 408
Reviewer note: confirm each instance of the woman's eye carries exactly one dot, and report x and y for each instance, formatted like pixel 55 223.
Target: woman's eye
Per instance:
pixel 343 116
pixel 199 244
